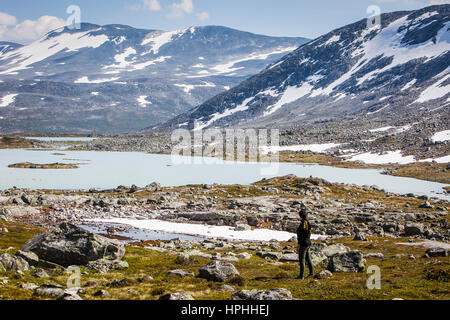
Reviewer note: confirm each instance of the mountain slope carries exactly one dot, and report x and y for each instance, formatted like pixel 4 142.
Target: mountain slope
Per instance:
pixel 391 70
pixel 116 78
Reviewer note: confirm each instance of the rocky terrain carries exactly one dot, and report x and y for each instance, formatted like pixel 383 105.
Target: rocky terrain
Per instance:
pixel 338 210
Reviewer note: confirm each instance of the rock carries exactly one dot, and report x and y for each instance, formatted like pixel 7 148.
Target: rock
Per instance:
pixel 71 245
pixel 411 257
pixel 225 288
pixel 50 292
pixel 289 257
pixel 426 205
pixel 40 273
pixel 269 255
pixel 12 263
pixel 244 256
pixel 183 259
pixel 105 266
pixel 70 295
pixel 437 252
pixel 413 229
pixel 242 227
pixel 145 279
pixel 5 215
pixel 272 294
pixel 153 187
pixel 4 230
pixel 334 248
pixel 177 296
pixel 181 273
pixel 377 255
pixel 29 286
pixel 2 268
pixel 133 188
pixel 324 274
pixel 351 261
pixel 218 271
pixel 359 236
pixel 30 257
pixel 102 294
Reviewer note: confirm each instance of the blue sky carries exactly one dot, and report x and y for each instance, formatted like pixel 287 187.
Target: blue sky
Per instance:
pixel 271 17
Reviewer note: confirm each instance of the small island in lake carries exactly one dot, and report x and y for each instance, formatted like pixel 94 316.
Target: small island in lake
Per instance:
pixel 29 165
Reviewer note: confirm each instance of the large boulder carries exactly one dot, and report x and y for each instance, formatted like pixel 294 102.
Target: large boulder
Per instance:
pixel 11 263
pixel 218 271
pixel 5 214
pixel 351 261
pixel 413 229
pixel 272 294
pixel 70 245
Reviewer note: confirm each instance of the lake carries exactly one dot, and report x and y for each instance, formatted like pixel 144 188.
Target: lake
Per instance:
pixel 105 170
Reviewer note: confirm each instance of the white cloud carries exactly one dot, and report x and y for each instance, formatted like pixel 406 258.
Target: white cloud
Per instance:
pixel 202 16
pixel 7 19
pixel 28 30
pixel 178 10
pixel 150 5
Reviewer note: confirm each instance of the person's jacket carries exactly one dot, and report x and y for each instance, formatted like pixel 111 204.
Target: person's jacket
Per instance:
pixel 304 234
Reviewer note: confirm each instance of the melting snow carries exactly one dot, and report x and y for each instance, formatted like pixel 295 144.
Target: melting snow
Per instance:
pixel 40 50
pixel 381 129
pixel 389 157
pixel 7 100
pixel 86 80
pixel 435 91
pixel 291 94
pixel 206 230
pixel 441 136
pixel 143 101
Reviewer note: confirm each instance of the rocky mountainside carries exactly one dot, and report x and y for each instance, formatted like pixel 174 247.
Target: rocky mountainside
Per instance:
pixel 116 78
pixel 396 69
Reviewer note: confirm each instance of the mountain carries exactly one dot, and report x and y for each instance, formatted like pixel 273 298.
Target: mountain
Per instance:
pixel 392 70
pixel 115 78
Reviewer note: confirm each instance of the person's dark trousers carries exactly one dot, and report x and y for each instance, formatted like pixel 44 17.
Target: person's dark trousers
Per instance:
pixel 305 257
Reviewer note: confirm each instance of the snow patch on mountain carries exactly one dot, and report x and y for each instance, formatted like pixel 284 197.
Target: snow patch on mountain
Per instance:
pixel 7 100
pixel 85 79
pixel 25 56
pixel 389 157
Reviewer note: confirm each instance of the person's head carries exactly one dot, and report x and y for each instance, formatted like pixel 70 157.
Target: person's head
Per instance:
pixel 303 213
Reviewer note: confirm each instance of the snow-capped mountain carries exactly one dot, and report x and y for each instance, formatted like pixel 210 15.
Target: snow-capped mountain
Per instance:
pixel 116 78
pixel 390 70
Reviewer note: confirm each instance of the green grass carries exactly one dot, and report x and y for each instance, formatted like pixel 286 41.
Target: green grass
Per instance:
pixel 422 278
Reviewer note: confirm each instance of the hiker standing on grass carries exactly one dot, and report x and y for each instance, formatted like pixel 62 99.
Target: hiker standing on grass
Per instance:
pixel 304 243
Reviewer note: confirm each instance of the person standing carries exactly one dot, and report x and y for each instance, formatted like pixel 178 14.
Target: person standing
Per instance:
pixel 304 243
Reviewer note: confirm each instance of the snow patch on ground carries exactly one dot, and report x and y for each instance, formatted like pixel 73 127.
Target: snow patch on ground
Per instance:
pixel 389 157
pixel 441 136
pixel 381 129
pixel 206 230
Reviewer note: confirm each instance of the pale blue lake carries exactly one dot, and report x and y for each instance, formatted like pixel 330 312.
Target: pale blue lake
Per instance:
pixel 110 169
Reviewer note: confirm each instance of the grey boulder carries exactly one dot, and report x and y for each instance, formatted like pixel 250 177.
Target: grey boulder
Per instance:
pixel 351 261
pixel 70 245
pixel 218 271
pixel 272 294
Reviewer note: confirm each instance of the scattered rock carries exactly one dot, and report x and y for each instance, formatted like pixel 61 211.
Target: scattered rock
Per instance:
pixel 102 294
pixel 50 292
pixel 351 261
pixel 181 273
pixel 437 252
pixel 218 271
pixel 29 286
pixel 377 255
pixel 359 236
pixel 324 274
pixel 272 294
pixel 413 229
pixel 40 273
pixel 105 266
pixel 177 296
pixel 12 263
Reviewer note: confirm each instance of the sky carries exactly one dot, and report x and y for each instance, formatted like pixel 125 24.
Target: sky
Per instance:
pixel 24 21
